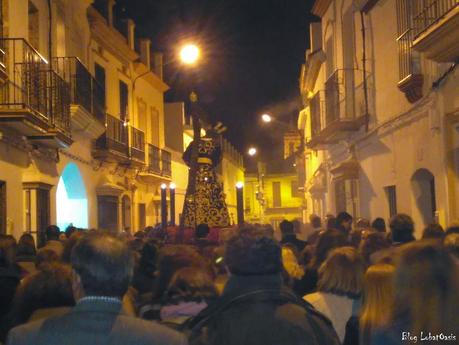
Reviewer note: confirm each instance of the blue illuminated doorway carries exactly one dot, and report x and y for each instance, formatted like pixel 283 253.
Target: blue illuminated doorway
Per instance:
pixel 71 199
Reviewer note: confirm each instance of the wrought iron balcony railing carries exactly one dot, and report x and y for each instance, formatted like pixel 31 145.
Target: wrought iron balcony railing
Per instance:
pixel 166 163
pixel 137 144
pixel 84 89
pixel 154 159
pixel 26 86
pixel 115 138
pixel 427 13
pixel 58 97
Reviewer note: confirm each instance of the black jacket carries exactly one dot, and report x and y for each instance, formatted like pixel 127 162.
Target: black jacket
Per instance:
pixel 257 310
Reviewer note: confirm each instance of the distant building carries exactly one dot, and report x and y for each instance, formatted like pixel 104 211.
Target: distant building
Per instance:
pixel 273 193
pixel 381 106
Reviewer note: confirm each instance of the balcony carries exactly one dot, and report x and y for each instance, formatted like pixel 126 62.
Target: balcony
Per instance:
pixel 339 109
pixel 166 163
pixel 436 33
pixel 87 97
pixel 137 140
pixel 23 102
pixel 153 172
pixel 112 146
pixel 58 109
pixel 154 160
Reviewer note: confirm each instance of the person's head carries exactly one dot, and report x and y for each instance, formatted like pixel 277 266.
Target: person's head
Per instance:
pixel 315 221
pixel 378 298
pixel 49 287
pixel 7 250
pixel 286 228
pixel 373 242
pixel 362 224
pixel 45 256
pixel 401 228
pixel 202 230
pixel 70 230
pixel 26 246
pixel 433 231
pixel 426 286
pixel 251 252
pixel 190 284
pixel 69 244
pixel 452 229
pixel 102 266
pixel 148 257
pixel 327 241
pixel 330 222
pixel 451 243
pixel 171 259
pixel 344 221
pixel 342 273
pixel 52 233
pixel 379 224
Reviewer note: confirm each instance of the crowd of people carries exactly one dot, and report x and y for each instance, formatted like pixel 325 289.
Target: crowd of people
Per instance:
pixel 347 282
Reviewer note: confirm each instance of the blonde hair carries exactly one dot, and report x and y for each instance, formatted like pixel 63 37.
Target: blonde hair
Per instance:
pixel 378 297
pixel 342 273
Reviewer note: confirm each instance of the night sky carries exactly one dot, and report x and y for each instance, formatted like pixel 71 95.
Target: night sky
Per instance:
pixel 252 53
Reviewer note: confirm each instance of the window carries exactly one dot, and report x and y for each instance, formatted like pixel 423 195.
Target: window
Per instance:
pixel 294 186
pixel 124 94
pixel 291 148
pixel 99 72
pixel 142 116
pixel 391 195
pixel 107 212
pixel 34 26
pixel 142 216
pixel 347 196
pixel 2 207
pixel 154 126
pixel 277 201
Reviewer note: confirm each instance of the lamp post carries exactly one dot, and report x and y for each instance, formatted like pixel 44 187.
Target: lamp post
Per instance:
pixel 172 201
pixel 163 206
pixel 240 202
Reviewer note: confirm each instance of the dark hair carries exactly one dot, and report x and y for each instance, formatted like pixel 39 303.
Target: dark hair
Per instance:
pixel 171 259
pixel 69 244
pixel 286 227
pixel 452 229
pixel 331 223
pixel 402 228
pixel 45 256
pixel 52 232
pixel 451 243
pixel 148 257
pixel 26 246
pixel 190 284
pixel 50 287
pixel 372 243
pixel 104 264
pixel 343 217
pixel 316 222
pixel 328 240
pixel 7 250
pixel 379 224
pixel 70 230
pixel 251 252
pixel 202 230
pixel 433 231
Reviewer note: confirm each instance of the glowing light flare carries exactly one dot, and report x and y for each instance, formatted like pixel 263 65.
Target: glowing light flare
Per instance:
pixel 172 185
pixel 163 186
pixel 252 151
pixel 266 118
pixel 239 185
pixel 189 54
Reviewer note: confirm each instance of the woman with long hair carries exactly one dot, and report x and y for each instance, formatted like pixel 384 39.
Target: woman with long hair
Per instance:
pixel 378 298
pixel 426 299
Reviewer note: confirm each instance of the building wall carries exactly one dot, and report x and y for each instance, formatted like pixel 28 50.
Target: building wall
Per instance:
pixel 403 139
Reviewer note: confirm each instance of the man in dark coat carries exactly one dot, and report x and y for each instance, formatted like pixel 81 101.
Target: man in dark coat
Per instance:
pixel 289 237
pixel 255 308
pixel 102 270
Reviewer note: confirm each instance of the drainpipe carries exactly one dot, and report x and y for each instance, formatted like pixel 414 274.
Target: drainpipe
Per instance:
pixel 364 67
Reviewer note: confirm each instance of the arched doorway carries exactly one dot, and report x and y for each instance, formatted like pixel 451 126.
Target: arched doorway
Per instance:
pixel 126 213
pixel 71 199
pixel 423 186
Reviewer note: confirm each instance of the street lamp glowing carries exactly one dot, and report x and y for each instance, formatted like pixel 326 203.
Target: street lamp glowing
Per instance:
pixel 266 118
pixel 239 185
pixel 163 186
pixel 172 185
pixel 252 151
pixel 189 54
